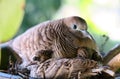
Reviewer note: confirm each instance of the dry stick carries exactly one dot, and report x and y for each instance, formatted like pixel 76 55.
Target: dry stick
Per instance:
pixel 112 53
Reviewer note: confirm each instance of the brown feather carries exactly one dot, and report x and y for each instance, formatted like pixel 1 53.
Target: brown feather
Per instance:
pixel 57 35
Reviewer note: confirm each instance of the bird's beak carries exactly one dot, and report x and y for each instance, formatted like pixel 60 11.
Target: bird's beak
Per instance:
pixel 85 34
pixel 82 34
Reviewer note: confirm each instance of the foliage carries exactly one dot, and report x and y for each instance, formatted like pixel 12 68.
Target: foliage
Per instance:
pixel 11 15
pixel 37 11
pixel 97 33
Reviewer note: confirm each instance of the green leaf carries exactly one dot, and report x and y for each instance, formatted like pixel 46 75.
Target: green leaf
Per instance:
pixel 11 15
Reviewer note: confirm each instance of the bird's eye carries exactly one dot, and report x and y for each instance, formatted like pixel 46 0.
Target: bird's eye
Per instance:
pixel 74 26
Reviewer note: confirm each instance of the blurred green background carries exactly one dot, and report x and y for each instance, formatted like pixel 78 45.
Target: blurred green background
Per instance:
pixel 16 16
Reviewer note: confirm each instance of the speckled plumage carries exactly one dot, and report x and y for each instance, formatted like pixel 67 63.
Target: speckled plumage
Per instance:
pixel 62 36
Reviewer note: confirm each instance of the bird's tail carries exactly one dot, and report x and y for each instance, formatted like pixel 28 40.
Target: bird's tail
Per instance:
pixel 6 44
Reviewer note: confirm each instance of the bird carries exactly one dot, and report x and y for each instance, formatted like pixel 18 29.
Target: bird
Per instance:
pixel 62 36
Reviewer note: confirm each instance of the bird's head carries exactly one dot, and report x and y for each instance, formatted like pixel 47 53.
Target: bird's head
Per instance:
pixel 78 27
pixel 76 23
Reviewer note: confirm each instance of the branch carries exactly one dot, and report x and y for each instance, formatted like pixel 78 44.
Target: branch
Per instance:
pixel 111 54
